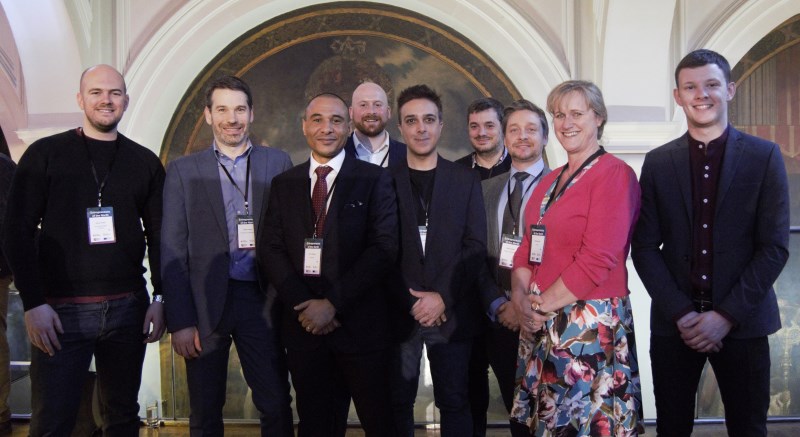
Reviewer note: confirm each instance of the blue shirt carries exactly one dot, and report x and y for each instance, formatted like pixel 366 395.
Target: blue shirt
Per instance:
pixel 242 261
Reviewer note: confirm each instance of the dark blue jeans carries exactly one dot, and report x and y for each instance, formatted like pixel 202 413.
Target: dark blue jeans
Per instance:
pixel 742 372
pixel 248 321
pixel 111 331
pixel 449 368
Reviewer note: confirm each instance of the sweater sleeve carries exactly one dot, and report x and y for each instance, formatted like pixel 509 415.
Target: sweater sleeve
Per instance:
pixel 25 207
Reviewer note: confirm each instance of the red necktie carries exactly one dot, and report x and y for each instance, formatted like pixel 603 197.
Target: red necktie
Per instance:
pixel 320 196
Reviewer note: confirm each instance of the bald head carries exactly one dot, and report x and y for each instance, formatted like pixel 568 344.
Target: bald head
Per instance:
pixel 103 99
pixel 370 110
pixel 102 69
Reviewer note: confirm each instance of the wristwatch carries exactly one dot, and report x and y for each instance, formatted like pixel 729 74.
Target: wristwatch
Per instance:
pixel 158 298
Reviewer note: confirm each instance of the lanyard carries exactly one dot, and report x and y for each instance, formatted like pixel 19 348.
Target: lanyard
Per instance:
pixel 383 161
pixel 588 161
pixel 425 205
pixel 100 185
pixel 235 185
pixel 521 199
pixel 324 209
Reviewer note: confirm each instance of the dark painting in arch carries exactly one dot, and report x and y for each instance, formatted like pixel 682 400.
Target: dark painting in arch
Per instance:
pixel 333 47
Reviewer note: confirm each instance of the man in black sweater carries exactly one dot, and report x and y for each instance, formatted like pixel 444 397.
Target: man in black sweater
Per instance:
pixel 74 240
pixel 7 168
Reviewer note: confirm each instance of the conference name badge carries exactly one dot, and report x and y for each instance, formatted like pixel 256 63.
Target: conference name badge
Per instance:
pixel 537 243
pixel 423 236
pixel 312 257
pixel 246 231
pixel 509 245
pixel 101 225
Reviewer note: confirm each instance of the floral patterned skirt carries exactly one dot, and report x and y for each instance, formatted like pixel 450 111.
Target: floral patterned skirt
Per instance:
pixel 580 375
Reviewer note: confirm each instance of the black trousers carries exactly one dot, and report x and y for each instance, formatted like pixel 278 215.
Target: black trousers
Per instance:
pixel 248 321
pixel 742 372
pixel 324 381
pixel 495 346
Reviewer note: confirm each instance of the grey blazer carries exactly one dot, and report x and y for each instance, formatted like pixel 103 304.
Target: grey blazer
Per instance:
pixel 194 235
pixel 492 192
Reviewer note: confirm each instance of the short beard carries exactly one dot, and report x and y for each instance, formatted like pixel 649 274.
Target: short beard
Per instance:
pixel 104 128
pixel 370 132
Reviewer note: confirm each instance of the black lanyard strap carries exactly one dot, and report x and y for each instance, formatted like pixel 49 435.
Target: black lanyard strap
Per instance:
pixel 100 184
pixel 386 156
pixel 246 192
pixel 425 205
pixel 588 161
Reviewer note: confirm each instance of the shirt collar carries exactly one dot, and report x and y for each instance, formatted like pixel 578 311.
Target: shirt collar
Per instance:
pixel 221 155
pixel 533 169
pixel 362 150
pixel 713 144
pixel 335 163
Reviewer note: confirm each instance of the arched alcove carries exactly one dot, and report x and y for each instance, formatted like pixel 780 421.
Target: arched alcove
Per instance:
pixel 332 48
pixel 168 64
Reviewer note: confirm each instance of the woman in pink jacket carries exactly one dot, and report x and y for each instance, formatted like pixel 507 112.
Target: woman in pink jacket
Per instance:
pixel 577 368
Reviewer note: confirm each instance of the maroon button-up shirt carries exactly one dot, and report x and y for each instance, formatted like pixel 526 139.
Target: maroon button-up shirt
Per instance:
pixel 705 161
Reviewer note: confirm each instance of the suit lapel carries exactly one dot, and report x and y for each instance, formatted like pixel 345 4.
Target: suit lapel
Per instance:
pixel 397 153
pixel 437 217
pixel 344 185
pixel 683 174
pixel 405 198
pixel 730 161
pixel 302 197
pixel 207 167
pixel 494 190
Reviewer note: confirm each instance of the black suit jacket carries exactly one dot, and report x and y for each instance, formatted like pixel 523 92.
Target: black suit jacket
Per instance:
pixel 455 248
pixel 751 234
pixel 397 151
pixel 360 245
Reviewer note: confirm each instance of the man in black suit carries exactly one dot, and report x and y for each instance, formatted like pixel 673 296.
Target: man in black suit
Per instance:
pixel 711 240
pixel 525 135
pixel 330 236
pixel 443 238
pixel 213 203
pixel 484 126
pixel 370 142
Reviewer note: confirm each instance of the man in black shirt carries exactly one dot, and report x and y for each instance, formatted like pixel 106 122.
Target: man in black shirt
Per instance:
pixel 443 246
pixel 484 124
pixel 74 240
